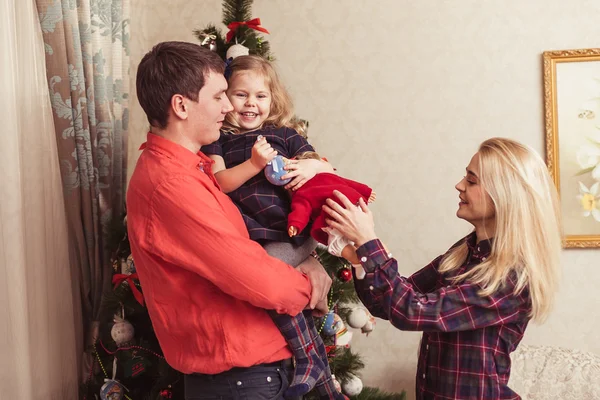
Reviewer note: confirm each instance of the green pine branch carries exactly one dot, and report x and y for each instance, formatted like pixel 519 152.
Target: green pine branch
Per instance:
pixel 344 363
pixel 236 11
pixel 342 292
pixel 117 243
pixel 369 393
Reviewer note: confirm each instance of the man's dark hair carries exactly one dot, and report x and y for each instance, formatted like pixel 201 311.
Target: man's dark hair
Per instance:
pixel 172 68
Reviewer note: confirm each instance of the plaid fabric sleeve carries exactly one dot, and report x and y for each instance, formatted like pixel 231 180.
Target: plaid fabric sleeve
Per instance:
pixel 453 308
pixel 213 149
pixel 295 143
pixel 425 279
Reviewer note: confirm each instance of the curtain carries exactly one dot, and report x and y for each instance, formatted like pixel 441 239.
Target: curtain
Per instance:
pixel 39 321
pixel 87 65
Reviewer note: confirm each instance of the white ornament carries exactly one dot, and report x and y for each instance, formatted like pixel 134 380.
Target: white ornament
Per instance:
pixel 342 335
pixel 353 386
pixel 122 331
pixel 368 328
pixel 358 318
pixel 237 50
pixel 362 319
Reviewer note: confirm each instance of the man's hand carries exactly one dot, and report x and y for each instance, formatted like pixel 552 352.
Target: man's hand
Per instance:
pixel 292 231
pixel 321 309
pixel 320 282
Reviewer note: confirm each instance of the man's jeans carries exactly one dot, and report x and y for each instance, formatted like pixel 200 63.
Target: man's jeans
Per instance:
pixel 260 382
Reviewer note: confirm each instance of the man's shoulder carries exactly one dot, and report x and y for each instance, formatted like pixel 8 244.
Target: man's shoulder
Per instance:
pixel 154 174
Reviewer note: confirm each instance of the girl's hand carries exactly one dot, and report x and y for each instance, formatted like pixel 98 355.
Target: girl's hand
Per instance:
pixel 302 171
pixel 262 153
pixel 354 222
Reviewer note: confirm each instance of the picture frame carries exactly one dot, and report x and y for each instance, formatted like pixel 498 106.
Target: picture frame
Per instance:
pixel 572 124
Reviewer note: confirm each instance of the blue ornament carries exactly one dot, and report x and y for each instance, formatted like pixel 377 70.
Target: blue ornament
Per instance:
pixel 329 326
pixel 274 171
pixel 111 390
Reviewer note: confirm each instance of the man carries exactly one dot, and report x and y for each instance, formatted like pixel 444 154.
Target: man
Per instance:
pixel 206 284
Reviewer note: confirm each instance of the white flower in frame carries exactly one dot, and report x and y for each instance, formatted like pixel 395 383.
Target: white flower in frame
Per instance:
pixel 589 200
pixel 588 158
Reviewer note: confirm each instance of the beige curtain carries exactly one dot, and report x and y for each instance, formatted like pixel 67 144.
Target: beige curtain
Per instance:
pixel 38 328
pixel 87 71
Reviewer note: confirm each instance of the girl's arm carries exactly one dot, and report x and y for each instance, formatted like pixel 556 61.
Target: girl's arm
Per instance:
pixel 231 179
pixel 304 170
pixel 301 171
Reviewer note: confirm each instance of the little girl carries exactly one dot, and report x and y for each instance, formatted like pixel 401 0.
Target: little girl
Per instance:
pixel 261 126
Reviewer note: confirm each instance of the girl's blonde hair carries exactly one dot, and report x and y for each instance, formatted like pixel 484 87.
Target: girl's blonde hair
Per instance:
pixel 528 238
pixel 282 108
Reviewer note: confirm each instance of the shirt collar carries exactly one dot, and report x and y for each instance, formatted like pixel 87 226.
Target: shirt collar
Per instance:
pixel 481 249
pixel 177 152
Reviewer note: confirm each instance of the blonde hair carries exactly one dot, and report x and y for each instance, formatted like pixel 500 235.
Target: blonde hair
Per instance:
pixel 308 155
pixel 528 237
pixel 282 108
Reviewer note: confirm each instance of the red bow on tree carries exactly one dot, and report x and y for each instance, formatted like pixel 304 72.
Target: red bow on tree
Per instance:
pixel 118 278
pixel 253 24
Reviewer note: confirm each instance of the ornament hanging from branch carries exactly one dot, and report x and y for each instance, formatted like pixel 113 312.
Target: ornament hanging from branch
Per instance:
pixel 237 50
pixel 353 386
pixel 360 318
pixel 122 331
pixel 345 274
pixel 208 40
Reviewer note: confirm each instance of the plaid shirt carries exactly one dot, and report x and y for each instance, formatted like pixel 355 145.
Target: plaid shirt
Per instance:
pixel 467 338
pixel 264 206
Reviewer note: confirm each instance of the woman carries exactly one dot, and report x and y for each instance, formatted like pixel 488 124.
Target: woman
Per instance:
pixel 474 302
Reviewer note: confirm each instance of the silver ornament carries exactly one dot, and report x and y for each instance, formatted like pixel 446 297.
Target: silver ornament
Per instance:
pixel 237 50
pixel 122 331
pixel 353 386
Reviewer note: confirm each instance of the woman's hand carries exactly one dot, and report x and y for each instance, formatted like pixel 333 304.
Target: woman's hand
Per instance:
pixel 303 170
pixel 354 222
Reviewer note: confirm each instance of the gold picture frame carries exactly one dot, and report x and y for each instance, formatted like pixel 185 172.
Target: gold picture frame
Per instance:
pixel 572 117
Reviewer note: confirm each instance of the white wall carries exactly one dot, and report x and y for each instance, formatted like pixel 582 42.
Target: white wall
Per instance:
pixel 399 94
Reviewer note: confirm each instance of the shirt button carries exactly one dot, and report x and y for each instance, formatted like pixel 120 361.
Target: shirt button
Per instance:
pixel 426 347
pixel 269 379
pixel 483 258
pixel 239 383
pixel 390 255
pixel 423 376
pixel 363 259
pixel 370 287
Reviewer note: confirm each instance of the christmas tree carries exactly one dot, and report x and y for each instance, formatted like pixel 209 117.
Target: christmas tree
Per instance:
pixel 128 361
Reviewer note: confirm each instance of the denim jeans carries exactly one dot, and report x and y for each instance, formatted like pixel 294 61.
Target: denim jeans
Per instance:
pixel 259 382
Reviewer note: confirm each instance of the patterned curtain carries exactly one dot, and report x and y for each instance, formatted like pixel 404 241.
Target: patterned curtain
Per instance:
pixel 87 66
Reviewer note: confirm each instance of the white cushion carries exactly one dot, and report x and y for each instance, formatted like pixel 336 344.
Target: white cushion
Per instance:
pixel 544 372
